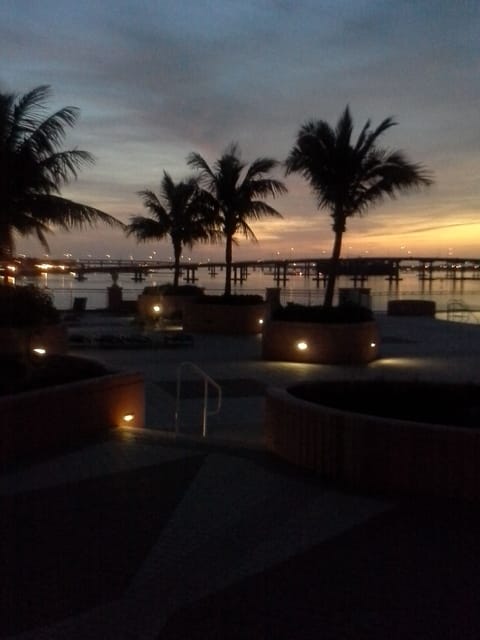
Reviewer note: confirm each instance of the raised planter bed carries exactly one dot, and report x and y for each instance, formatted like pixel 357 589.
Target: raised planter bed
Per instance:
pixel 171 302
pixel 228 319
pixel 172 306
pixel 381 453
pixel 43 419
pixel 350 343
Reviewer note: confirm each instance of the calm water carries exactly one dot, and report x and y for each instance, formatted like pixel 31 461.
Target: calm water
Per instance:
pixel 64 288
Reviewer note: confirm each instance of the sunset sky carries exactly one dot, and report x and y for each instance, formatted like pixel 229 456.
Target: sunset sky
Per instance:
pixel 155 80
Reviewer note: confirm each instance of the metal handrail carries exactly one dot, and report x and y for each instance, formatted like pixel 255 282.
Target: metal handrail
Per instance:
pixel 458 310
pixel 207 380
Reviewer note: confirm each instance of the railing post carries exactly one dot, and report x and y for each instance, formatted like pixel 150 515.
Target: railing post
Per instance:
pixel 205 401
pixel 206 381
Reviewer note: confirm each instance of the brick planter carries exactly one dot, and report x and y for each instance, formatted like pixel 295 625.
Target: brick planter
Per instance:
pixel 43 419
pixel 355 343
pixel 53 338
pixel 373 453
pixel 172 306
pixel 243 319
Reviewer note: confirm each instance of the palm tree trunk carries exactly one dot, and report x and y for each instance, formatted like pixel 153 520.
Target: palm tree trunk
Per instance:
pixel 228 265
pixel 333 269
pixel 177 252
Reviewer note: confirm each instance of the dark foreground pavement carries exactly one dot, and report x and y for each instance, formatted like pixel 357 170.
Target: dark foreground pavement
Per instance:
pixel 136 536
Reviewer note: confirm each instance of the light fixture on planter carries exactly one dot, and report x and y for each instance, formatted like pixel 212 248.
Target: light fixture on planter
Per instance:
pixel 39 351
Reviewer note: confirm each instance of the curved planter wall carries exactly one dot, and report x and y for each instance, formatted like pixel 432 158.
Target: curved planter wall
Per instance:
pixel 39 420
pixel 373 453
pixel 356 343
pixel 224 319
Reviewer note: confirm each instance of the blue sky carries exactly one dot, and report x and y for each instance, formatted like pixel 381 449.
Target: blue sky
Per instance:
pixel 157 80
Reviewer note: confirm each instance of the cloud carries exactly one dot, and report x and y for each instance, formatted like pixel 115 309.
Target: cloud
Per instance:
pixel 156 80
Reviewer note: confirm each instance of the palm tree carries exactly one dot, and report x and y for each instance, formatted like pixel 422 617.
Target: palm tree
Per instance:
pixel 238 192
pixel 181 211
pixel 346 177
pixel 33 168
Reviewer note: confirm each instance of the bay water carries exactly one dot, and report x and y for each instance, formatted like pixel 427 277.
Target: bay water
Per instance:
pixel 445 292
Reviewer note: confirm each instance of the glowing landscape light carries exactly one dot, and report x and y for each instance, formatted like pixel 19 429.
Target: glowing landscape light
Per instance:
pixel 302 346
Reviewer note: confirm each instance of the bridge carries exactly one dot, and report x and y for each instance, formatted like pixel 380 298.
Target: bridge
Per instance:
pixel 359 269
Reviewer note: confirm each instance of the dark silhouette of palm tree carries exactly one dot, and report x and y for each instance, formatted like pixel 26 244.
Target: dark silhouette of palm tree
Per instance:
pixel 181 211
pixel 347 177
pixel 33 168
pixel 238 192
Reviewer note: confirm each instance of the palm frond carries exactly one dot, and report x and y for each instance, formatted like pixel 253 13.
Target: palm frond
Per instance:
pixel 61 167
pixel 33 167
pixel 52 209
pixel 245 229
pixel 49 134
pixel 146 229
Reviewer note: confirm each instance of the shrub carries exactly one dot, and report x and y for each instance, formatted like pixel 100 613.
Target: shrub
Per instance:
pixel 235 300
pixel 26 306
pixel 429 402
pixel 170 290
pixel 343 314
pixel 17 375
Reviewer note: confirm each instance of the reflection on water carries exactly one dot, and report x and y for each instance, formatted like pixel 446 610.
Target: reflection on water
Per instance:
pixel 65 288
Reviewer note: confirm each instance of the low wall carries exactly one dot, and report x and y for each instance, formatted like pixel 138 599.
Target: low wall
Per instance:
pixel 224 319
pixel 39 420
pixel 373 453
pixel 411 308
pixel 356 343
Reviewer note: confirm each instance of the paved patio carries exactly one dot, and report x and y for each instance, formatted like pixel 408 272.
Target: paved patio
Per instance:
pixel 136 534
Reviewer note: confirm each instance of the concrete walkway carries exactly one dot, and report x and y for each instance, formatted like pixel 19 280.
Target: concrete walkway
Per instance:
pixel 411 348
pixel 140 535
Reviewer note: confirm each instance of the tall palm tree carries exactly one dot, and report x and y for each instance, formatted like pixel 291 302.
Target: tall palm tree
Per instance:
pixel 33 168
pixel 238 192
pixel 347 177
pixel 181 211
